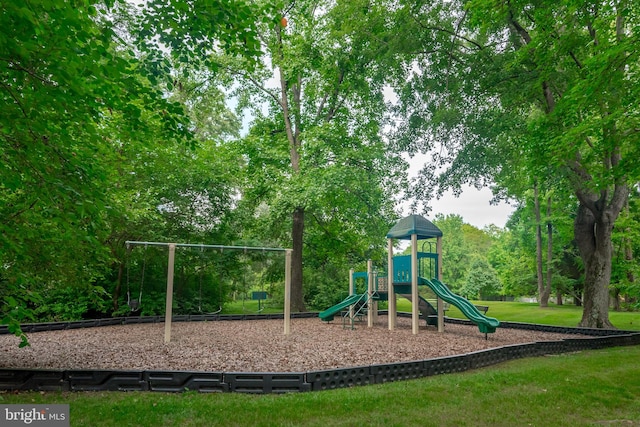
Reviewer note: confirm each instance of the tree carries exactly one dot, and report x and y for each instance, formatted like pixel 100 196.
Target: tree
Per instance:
pixel 544 282
pixel 61 74
pixel 625 267
pixel 324 113
pixel 481 281
pixel 456 250
pixel 565 75
pixel 75 95
pixel 513 261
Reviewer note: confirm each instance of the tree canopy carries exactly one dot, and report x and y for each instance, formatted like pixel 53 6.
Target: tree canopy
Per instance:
pixel 547 88
pixel 288 123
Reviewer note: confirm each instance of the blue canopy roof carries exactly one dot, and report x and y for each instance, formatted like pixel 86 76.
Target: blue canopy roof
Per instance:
pixel 414 224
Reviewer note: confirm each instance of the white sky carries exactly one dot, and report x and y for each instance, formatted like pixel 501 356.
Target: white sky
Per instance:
pixel 474 207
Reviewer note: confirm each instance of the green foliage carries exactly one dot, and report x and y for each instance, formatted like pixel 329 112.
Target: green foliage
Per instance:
pixel 214 26
pixel 66 78
pixel 626 271
pixel 15 310
pixel 464 246
pixel 514 264
pixel 457 251
pixel 203 279
pixel 314 147
pixel 325 288
pixel 527 93
pixel 558 315
pixel 153 303
pixel 481 282
pixel 114 127
pixel 72 303
pixel 94 144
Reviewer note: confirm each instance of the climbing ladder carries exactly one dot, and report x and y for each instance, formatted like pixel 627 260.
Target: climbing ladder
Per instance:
pixel 358 309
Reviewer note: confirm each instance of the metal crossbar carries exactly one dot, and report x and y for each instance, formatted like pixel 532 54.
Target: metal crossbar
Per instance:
pixel 170 270
pixel 203 246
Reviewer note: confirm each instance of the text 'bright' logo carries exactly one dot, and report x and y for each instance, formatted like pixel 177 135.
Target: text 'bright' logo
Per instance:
pixel 37 415
pixel 25 416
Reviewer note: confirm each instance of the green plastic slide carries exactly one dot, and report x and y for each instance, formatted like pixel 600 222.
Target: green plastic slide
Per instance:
pixel 486 324
pixel 328 314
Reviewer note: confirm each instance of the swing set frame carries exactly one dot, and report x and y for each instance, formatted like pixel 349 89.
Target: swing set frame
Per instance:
pixel 168 312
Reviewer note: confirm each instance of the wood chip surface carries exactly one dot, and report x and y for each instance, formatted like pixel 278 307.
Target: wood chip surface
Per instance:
pixel 251 345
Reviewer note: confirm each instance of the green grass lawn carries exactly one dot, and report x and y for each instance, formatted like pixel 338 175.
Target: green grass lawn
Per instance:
pixel 250 307
pixel 559 315
pixel 592 388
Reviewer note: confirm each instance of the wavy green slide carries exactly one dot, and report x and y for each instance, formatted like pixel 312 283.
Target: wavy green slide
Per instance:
pixel 486 324
pixel 328 314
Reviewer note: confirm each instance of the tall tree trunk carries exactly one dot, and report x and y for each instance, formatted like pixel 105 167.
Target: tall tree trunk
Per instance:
pixel 628 256
pixel 546 289
pixel 116 291
pixel 615 299
pixel 297 295
pixel 121 273
pixel 593 237
pixel 292 117
pixel 542 300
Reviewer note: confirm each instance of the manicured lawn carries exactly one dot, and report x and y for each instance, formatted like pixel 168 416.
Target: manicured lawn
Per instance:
pixel 588 388
pixel 559 315
pixel 250 307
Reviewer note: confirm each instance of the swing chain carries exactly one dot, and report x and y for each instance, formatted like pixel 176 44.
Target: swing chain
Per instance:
pixel 134 304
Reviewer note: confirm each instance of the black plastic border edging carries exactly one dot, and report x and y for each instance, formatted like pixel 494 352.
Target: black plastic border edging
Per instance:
pixel 285 382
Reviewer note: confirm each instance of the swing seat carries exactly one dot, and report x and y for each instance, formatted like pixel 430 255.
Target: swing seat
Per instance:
pixel 134 305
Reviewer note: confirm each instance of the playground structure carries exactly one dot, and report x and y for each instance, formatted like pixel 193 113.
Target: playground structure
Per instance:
pixel 405 274
pixel 357 302
pixel 170 276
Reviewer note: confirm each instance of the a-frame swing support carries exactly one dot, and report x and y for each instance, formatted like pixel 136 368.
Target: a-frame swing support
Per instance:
pixel 168 308
pixel 168 311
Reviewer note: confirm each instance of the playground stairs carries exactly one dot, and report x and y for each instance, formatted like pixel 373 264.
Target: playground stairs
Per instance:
pixel 428 311
pixel 358 311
